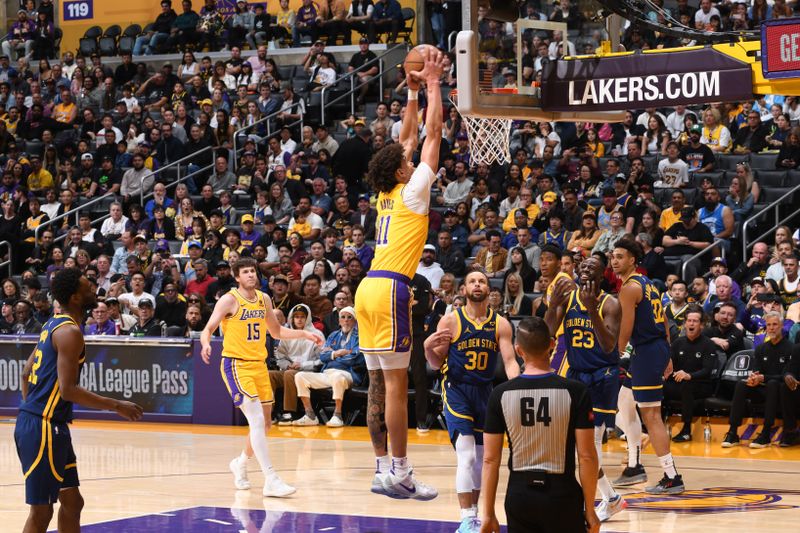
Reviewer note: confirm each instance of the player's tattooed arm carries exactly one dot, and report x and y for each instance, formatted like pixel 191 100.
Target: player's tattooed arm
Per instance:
pixel 376 409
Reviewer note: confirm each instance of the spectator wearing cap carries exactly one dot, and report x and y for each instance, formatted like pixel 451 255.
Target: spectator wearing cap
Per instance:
pixel 718 267
pixel 123 321
pixel 429 268
pixel 458 233
pixel 548 202
pixel 282 298
pixel 687 238
pixel 366 216
pixel 171 305
pixel 249 236
pixel 115 224
pixel 673 172
pixel 194 250
pixel 148 325
pixel 698 156
pixel 202 279
pixel 359 60
pixel 20 37
pixel 222 284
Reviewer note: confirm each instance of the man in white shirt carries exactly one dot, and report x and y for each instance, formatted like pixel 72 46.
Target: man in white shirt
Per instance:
pixel 317 253
pixel 51 205
pixel 675 120
pixel 304 209
pixel 702 16
pixel 457 190
pixel 130 300
pixel 673 172
pixel 324 141
pixel 553 50
pixel 116 223
pixel 644 118
pixel 429 268
pixel 287 143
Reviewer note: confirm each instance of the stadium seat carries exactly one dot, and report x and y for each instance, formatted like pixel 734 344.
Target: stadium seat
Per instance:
pixel 107 46
pixel 58 34
pixel 736 369
pixel 408 24
pixel 770 194
pixel 770 178
pixel 716 177
pixel 87 46
pixel 125 44
pixel 113 31
pixel 763 161
pixel 134 30
pixel 729 161
pixel 34 147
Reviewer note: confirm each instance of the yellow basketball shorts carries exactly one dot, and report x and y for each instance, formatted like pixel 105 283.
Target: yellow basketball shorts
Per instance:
pixel 246 379
pixel 383 312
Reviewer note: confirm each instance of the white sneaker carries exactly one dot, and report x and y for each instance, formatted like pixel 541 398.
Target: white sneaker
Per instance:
pixel 608 508
pixel 306 420
pixel 335 422
pixel 408 487
pixel 377 484
pixel 239 469
pixel 274 487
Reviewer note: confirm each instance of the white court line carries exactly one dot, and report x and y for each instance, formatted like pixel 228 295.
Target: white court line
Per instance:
pixel 215 521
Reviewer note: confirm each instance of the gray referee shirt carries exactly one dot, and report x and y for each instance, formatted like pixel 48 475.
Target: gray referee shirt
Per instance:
pixel 540 415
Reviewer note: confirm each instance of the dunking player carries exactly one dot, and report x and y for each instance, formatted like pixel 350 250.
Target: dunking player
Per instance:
pixel 383 300
pixel 644 324
pixel 49 387
pixel 590 321
pixel 550 263
pixel 246 317
pixel 465 346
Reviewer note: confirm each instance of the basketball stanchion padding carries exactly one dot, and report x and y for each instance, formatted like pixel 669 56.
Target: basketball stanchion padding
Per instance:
pixel 488 137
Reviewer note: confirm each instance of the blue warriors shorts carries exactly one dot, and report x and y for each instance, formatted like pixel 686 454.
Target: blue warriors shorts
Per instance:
pixel 465 408
pixel 246 379
pixel 647 371
pixel 603 385
pixel 383 312
pixel 48 461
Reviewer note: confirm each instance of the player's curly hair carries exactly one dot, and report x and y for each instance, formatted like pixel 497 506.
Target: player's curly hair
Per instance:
pixel 383 167
pixel 629 244
pixel 65 284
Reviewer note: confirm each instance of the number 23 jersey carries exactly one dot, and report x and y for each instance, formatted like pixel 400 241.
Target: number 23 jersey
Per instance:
pixel 473 352
pixel 244 334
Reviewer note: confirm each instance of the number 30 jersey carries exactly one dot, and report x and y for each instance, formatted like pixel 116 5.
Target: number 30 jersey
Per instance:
pixel 472 357
pixel 584 353
pixel 650 323
pixel 244 334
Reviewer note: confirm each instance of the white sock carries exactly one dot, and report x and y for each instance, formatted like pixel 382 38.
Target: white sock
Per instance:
pixel 472 512
pixel 400 466
pixel 668 464
pixel 632 425
pixel 607 492
pixel 258 439
pixel 244 457
pixel 383 464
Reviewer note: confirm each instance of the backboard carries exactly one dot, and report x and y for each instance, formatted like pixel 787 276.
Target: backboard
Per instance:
pixel 492 56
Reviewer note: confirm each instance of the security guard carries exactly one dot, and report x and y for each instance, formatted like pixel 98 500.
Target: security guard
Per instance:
pixel 546 418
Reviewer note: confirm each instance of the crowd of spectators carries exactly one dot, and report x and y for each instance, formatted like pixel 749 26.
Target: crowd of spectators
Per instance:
pixel 680 180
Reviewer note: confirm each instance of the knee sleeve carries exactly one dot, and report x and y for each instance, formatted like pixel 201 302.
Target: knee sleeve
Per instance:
pixel 477 467
pixel 598 441
pixel 465 455
pixel 252 410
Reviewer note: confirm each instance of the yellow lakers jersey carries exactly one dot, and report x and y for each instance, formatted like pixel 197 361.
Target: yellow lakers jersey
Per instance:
pixel 244 334
pixel 400 234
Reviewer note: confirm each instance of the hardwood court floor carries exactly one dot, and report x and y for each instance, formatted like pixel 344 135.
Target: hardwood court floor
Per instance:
pixel 128 471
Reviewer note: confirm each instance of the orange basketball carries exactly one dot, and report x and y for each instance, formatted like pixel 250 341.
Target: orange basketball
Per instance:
pixel 414 62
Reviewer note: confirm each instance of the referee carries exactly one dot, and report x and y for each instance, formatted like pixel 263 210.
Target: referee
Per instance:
pixel 546 417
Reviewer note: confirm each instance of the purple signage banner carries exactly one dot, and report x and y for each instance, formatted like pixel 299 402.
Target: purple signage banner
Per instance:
pixel 645 80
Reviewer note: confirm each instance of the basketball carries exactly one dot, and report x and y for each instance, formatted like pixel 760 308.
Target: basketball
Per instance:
pixel 414 62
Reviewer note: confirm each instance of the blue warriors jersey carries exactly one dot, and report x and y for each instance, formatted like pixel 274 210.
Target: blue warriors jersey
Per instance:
pixel 584 353
pixel 650 322
pixel 44 396
pixel 472 357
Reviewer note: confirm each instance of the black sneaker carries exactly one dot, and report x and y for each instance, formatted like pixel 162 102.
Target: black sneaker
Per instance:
pixel 285 419
pixel 682 437
pixel 667 486
pixel 763 440
pixel 631 476
pixel 790 438
pixel 731 439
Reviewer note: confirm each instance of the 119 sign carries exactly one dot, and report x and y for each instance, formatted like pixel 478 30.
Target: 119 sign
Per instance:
pixel 78 10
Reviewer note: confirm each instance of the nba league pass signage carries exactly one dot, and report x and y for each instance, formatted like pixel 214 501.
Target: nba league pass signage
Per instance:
pixel 645 80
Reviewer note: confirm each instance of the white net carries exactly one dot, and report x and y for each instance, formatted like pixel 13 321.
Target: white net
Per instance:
pixel 488 137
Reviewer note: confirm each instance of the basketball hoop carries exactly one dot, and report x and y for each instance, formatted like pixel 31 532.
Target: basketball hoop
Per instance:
pixel 488 137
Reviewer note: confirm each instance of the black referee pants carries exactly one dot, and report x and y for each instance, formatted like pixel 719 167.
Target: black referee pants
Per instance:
pixel 556 507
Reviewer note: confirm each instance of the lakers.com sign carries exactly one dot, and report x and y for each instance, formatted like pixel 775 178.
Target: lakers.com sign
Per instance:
pixel 644 80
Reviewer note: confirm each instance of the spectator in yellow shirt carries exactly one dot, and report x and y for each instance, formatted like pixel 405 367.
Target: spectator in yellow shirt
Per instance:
pixel 673 214
pixel 39 179
pixel 525 202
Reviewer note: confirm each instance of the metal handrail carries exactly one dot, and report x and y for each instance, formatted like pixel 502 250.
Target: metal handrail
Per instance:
pixel 76 211
pixel 451 40
pixel 266 119
pixel 366 66
pixel 177 163
pixel 776 205
pixel 180 179
pixel 701 253
pixel 10 261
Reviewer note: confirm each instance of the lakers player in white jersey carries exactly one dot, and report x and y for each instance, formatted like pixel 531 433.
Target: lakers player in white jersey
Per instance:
pixel 383 300
pixel 246 317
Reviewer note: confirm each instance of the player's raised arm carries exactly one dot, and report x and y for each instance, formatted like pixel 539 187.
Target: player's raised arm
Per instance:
pixel 436 345
pixel 431 74
pixel 606 327
pixel 557 308
pixel 226 306
pixel 68 341
pixel 505 334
